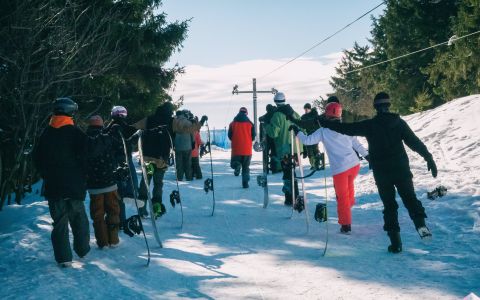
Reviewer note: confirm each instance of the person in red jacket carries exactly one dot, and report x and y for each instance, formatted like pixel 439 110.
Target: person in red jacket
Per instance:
pixel 196 170
pixel 241 132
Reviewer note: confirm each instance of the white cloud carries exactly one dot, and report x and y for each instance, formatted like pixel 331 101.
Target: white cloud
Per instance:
pixel 208 90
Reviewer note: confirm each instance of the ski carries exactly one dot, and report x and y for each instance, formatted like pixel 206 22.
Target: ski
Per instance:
pixel 262 180
pixel 149 195
pixel 137 216
pixel 301 203
pixel 175 194
pixel 208 184
pixel 292 167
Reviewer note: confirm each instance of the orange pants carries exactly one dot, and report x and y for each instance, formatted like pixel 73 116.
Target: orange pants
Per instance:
pixel 345 191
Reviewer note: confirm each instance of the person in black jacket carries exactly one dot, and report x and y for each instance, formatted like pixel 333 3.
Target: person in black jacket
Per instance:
pixel 311 151
pixel 125 188
pixel 59 156
pixel 101 182
pixel 385 134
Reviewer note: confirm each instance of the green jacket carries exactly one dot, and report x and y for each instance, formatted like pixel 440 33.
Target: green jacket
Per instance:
pixel 277 129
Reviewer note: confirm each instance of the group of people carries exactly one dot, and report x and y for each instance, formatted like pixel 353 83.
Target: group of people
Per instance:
pixel 386 134
pixel 100 161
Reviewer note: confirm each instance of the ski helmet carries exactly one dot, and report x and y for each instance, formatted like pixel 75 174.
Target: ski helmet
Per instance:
pixel 65 106
pixel 279 98
pixel 333 110
pixel 119 111
pixel 381 98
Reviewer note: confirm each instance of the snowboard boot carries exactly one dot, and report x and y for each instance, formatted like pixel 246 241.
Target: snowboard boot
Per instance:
pixel 396 242
pixel 113 239
pixel 238 167
pixel 424 233
pixel 346 229
pixel 288 200
pixel 245 184
pixel 158 209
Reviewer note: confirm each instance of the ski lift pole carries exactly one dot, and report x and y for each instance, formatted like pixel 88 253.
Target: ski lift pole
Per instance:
pixel 257 145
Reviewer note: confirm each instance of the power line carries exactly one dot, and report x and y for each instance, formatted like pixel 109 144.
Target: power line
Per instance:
pixel 449 42
pixel 322 41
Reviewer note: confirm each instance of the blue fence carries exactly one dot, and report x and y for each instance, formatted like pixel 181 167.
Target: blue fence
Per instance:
pixel 218 137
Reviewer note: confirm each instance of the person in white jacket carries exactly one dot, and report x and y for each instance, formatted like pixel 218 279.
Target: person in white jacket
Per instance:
pixel 344 162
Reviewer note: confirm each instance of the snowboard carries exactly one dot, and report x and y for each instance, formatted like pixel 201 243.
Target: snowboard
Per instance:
pixel 262 180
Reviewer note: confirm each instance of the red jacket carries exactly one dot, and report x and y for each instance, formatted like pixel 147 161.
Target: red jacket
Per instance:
pixel 241 132
pixel 198 142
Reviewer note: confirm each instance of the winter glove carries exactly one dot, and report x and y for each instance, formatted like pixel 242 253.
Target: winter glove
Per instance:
pixel 203 120
pixel 367 158
pixel 432 167
pixel 304 154
pixel 294 128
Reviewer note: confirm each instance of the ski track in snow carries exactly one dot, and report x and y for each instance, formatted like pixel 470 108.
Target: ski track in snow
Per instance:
pixel 245 251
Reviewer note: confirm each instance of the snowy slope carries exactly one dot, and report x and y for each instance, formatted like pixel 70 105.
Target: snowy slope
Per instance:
pixel 244 251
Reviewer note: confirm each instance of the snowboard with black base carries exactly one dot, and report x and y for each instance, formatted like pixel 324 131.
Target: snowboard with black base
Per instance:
pixel 146 181
pixel 262 180
pixel 208 184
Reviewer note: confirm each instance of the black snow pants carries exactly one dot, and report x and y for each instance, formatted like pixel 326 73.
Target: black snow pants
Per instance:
pixel 64 212
pixel 386 189
pixel 196 170
pixel 184 164
pixel 244 162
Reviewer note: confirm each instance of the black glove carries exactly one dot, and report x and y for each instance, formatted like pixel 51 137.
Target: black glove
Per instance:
pixel 203 120
pixel 367 158
pixel 304 154
pixel 294 128
pixel 432 167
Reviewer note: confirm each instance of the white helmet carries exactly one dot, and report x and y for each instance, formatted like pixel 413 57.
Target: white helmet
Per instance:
pixel 279 98
pixel 119 111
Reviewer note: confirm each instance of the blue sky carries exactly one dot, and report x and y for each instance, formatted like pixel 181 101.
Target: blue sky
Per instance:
pixel 225 31
pixel 231 42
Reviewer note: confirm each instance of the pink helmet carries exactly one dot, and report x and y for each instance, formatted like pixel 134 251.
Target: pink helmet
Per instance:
pixel 119 111
pixel 333 110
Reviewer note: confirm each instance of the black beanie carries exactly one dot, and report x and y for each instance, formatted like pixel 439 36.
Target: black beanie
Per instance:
pixel 307 105
pixel 333 99
pixel 381 98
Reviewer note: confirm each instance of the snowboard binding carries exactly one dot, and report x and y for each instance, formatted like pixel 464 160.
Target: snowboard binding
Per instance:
pixel 133 226
pixel 320 213
pixel 299 204
pixel 261 181
pixel 208 185
pixel 174 198
pixel 439 191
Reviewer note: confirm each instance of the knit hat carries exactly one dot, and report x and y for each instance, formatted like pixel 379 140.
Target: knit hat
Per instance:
pixel 381 98
pixel 95 120
pixel 333 98
pixel 307 106
pixel 244 110
pixel 279 98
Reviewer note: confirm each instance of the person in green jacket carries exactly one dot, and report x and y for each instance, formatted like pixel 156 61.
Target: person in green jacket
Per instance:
pixel 277 129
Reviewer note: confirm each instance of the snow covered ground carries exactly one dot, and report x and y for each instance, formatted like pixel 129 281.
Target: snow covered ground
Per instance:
pixel 245 251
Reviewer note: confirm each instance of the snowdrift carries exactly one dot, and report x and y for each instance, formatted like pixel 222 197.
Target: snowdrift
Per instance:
pixel 245 251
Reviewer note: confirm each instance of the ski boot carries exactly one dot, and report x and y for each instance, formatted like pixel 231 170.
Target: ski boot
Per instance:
pixel 396 242
pixel 346 229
